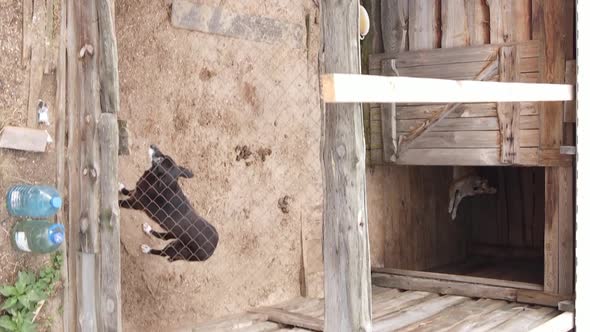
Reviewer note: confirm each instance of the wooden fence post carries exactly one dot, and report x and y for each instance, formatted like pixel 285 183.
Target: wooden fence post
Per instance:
pixel 346 245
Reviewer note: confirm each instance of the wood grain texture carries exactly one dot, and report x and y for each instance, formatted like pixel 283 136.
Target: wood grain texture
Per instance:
pixel 73 103
pixel 108 57
pixel 37 59
pixel 394 25
pixel 110 318
pixel 552 230
pixel 569 109
pixel 566 231
pixel 509 113
pixel 347 283
pixel 284 317
pixel 423 24
pixel 455 31
pixel 87 120
pixel 60 148
pixel 549 18
pixel 509 20
pixel 478 22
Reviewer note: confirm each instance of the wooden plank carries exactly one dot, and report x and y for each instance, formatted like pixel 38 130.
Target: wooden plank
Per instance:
pixel 421 311
pixel 60 148
pixel 458 278
pixel 449 287
pixel 478 18
pixel 355 88
pixel 409 111
pixel 347 283
pixel 426 57
pixel 402 302
pixel 567 306
pixel 455 124
pixel 566 260
pixel 108 59
pixel 487 322
pixel 73 103
pixel 459 139
pixel 291 319
pixel 87 119
pixel 394 23
pixel 110 243
pixel 527 319
pixel 230 323
pixel 476 157
pixel 458 71
pixel 455 315
pixel 388 120
pixel 454 24
pixel 220 21
pixel 548 18
pixel 509 113
pixel 560 323
pixel 541 298
pixel 37 60
pixel 423 19
pixel 505 16
pixel 446 287
pixel 552 230
pixel 569 108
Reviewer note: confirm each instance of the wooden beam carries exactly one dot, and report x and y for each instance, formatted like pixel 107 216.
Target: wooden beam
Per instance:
pixel 569 108
pixel 354 88
pixel 73 165
pixel 561 323
pixel 60 148
pixel 291 319
pixel 459 278
pixel 87 120
pixel 347 282
pixel 449 287
pixel 110 242
pixel 109 58
pixel 509 113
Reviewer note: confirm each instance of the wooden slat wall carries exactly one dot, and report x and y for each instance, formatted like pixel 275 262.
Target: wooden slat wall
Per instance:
pixel 416 197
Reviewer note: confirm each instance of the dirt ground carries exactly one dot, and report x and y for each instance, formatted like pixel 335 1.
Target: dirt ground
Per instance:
pixel 21 167
pixel 245 118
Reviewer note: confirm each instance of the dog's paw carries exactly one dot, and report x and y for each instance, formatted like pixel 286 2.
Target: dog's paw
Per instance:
pixel 147 228
pixel 145 249
pixel 121 187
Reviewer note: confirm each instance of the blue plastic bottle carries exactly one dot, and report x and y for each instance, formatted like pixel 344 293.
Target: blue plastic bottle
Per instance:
pixel 33 201
pixel 37 236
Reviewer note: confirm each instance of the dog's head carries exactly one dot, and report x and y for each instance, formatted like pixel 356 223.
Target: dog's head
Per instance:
pixel 481 186
pixel 164 166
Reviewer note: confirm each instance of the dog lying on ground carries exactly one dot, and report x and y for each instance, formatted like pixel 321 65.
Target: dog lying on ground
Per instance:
pixel 159 195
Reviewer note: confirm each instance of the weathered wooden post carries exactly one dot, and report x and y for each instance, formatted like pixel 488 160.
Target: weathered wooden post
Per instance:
pixel 346 244
pixel 109 311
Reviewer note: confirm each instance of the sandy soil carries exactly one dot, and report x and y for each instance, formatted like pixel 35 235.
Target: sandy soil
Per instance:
pixel 21 167
pixel 244 116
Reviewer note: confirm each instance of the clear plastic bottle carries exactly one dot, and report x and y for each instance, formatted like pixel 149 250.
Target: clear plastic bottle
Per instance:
pixel 33 201
pixel 37 236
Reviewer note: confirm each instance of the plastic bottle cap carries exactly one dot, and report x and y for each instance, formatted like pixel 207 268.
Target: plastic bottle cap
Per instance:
pixel 56 233
pixel 56 202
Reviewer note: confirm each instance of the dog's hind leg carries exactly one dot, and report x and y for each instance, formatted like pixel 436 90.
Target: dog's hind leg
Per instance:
pixel 172 250
pixel 124 190
pixel 147 229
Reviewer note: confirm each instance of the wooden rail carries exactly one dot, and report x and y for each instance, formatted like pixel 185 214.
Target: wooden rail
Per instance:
pixel 351 88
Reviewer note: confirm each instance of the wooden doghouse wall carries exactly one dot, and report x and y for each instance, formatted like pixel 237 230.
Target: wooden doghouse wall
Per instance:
pixel 413 230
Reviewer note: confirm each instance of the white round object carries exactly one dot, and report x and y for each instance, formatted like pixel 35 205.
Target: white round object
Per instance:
pixel 364 22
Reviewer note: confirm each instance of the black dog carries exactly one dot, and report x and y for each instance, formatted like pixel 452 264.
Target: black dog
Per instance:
pixel 159 195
